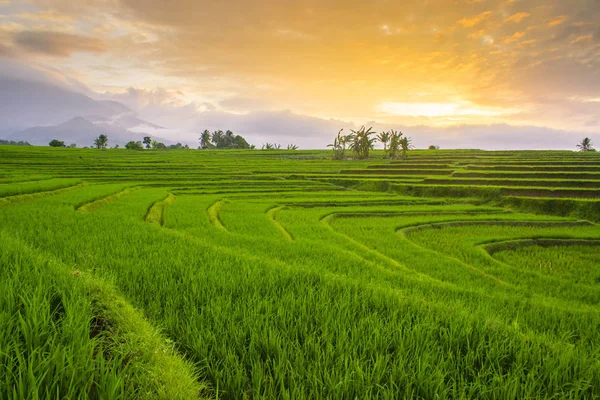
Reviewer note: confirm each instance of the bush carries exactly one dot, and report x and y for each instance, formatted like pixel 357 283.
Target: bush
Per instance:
pixel 56 143
pixel 134 145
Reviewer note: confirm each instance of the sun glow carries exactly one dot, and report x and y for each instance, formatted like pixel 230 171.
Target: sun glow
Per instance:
pixel 437 109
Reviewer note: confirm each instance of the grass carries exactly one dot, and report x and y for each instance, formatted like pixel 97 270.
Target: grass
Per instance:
pixel 230 274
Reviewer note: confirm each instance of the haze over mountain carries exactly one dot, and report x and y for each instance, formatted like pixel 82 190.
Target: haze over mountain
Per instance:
pixel 79 131
pixel 480 74
pixel 38 112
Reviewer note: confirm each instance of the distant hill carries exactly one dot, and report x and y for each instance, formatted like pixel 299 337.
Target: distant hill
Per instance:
pixel 81 131
pixel 38 112
pixel 125 122
pixel 26 104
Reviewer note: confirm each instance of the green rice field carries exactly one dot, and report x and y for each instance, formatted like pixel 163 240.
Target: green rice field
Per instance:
pixel 190 274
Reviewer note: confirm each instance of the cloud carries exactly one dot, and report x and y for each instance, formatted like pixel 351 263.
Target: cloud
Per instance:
pixel 5 51
pixel 439 109
pixel 515 37
pixel 245 104
pixel 57 43
pixel 326 59
pixel 518 17
pixel 15 68
pixel 292 34
pixel 583 38
pixel 476 20
pixel 44 16
pixel 558 20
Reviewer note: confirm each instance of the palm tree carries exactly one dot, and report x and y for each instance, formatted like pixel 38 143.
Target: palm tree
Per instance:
pixel 217 138
pixel 205 139
pixel 405 144
pixel 384 137
pixel 228 138
pixel 339 146
pixel 586 145
pixel 292 147
pixel 395 145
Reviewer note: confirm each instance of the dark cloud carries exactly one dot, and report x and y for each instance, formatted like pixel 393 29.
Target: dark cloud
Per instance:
pixel 58 44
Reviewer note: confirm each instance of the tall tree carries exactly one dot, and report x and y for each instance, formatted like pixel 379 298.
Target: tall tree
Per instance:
pixel 228 138
pixel 101 141
pixel 147 141
pixel 586 145
pixel 217 138
pixel 240 143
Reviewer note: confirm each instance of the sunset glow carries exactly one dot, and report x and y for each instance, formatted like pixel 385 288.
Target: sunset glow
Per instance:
pixel 434 63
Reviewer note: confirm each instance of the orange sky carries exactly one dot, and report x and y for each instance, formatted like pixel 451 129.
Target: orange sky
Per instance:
pixel 430 62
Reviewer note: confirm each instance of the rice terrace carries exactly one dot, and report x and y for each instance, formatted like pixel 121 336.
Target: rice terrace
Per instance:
pixel 186 274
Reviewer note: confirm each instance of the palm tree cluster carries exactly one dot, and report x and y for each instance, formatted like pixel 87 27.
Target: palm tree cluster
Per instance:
pixel 222 140
pixel 361 143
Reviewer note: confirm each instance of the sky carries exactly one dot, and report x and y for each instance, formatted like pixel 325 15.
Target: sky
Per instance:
pixel 443 65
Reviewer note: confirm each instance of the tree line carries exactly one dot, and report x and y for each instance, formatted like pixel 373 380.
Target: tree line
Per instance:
pixel 223 140
pixel 14 143
pixel 359 142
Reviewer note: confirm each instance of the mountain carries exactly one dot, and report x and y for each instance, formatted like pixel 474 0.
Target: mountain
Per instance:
pixel 25 104
pixel 80 131
pixel 125 121
pixel 36 111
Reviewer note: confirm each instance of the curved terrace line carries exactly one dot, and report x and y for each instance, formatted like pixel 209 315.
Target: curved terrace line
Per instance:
pixel 459 223
pixel 493 247
pixel 406 230
pixel 36 195
pixel 272 215
pixel 213 214
pixel 414 213
pixel 95 204
pixel 156 212
pixel 378 254
pixel 420 277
